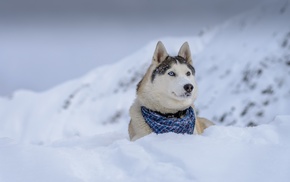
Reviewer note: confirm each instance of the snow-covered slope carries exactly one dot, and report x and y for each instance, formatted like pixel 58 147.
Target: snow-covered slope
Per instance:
pixel 245 69
pixel 77 131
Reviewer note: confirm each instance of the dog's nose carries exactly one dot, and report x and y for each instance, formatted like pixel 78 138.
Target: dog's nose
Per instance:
pixel 188 88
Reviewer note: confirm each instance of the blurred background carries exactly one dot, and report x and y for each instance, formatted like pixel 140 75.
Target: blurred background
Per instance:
pixel 44 43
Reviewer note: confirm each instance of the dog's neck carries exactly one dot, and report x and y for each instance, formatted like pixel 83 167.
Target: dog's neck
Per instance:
pixel 178 114
pixel 151 104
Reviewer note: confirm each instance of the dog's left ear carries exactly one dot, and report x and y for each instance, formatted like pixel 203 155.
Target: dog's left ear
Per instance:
pixel 185 52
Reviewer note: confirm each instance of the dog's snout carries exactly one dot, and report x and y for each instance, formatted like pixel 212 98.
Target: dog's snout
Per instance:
pixel 188 88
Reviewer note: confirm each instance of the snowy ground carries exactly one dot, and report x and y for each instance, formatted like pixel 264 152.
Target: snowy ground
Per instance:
pixel 77 131
pixel 220 154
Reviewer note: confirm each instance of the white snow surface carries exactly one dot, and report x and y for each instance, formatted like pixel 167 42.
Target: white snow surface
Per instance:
pixel 221 154
pixel 77 131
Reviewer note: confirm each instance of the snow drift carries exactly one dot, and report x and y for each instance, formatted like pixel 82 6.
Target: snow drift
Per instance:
pixel 77 131
pixel 222 154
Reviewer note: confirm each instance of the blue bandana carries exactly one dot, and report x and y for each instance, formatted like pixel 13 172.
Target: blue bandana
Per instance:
pixel 159 123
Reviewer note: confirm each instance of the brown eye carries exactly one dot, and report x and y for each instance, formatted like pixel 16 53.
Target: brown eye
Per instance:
pixel 188 73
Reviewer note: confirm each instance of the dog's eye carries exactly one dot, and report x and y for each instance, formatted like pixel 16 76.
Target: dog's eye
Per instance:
pixel 171 73
pixel 188 73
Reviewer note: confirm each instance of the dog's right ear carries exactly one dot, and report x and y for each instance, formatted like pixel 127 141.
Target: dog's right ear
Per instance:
pixel 160 53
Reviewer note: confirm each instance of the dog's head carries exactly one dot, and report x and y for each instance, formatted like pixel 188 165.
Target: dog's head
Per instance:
pixel 169 83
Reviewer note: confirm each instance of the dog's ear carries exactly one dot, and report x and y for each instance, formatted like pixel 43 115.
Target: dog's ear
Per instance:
pixel 185 52
pixel 160 53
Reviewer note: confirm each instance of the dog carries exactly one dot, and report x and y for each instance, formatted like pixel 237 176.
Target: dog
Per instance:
pixel 167 90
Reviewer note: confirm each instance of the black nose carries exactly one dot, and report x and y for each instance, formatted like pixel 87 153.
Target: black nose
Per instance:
pixel 188 88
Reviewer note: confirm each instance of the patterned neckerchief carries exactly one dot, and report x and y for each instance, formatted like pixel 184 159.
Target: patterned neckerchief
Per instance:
pixel 159 123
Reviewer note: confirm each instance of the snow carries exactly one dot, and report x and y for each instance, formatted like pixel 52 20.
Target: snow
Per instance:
pixel 77 131
pixel 221 154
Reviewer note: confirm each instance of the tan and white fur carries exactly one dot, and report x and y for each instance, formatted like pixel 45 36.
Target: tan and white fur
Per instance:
pixel 168 86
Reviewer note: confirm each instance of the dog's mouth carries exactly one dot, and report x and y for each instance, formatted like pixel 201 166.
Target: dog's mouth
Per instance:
pixel 182 96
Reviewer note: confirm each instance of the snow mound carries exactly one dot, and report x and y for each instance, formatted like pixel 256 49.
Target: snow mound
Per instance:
pixel 221 154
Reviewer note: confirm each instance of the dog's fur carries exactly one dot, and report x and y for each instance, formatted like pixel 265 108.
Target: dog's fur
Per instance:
pixel 163 89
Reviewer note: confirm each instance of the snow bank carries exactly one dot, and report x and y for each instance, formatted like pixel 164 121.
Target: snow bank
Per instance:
pixel 221 154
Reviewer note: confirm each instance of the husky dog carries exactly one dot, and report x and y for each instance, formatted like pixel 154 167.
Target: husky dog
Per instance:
pixel 167 89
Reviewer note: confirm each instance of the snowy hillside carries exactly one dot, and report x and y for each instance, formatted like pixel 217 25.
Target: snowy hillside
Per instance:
pixel 77 131
pixel 244 72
